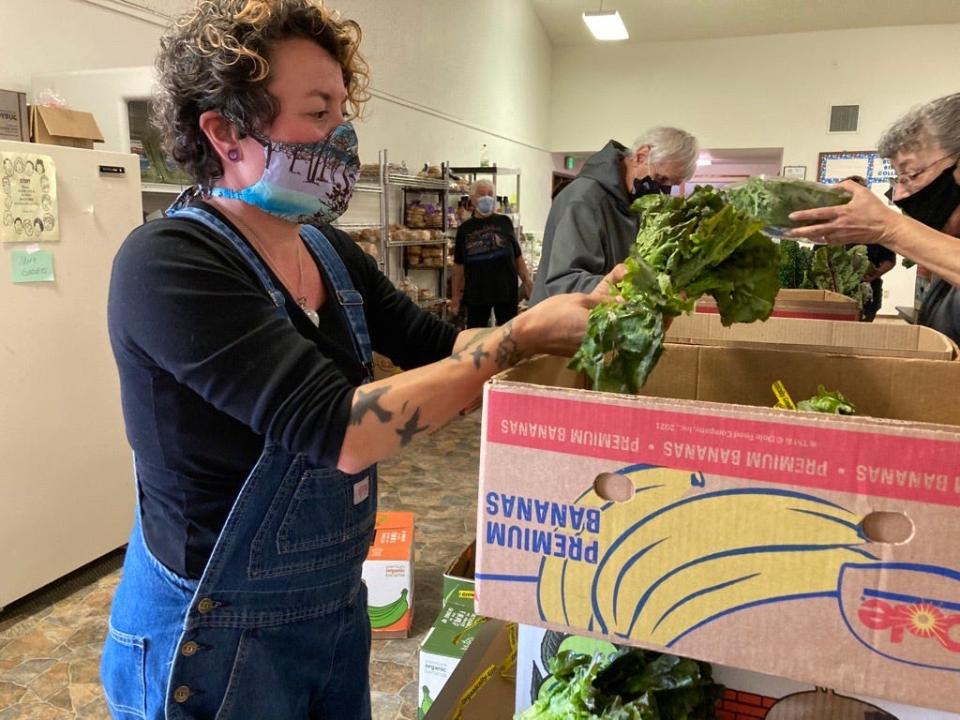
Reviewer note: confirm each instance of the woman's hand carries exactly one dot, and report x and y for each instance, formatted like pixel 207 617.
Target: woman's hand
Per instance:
pixel 864 220
pixel 556 326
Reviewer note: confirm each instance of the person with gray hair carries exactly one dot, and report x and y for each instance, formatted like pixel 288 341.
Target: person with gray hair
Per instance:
pixel 590 228
pixel 924 148
pixel 487 262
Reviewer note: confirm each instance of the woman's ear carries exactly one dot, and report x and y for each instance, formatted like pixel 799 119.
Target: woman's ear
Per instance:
pixel 222 136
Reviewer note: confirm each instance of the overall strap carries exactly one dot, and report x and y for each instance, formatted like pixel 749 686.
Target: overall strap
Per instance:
pixel 349 299
pixel 221 228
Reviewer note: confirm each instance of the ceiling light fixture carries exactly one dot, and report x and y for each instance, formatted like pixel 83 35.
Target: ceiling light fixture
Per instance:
pixel 704 160
pixel 606 24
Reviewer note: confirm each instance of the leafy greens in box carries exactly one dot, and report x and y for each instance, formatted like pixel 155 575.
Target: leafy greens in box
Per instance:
pixel 685 248
pixel 629 685
pixel 840 269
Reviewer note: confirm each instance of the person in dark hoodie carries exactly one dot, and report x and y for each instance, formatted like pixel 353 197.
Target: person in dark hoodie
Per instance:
pixel 590 227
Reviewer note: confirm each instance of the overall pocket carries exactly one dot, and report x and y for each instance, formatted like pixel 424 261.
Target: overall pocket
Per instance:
pixel 323 518
pixel 123 673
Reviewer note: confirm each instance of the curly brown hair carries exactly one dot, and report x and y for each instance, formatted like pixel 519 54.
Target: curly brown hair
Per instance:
pixel 217 57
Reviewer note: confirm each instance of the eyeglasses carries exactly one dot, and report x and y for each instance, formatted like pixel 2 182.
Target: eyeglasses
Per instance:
pixel 910 177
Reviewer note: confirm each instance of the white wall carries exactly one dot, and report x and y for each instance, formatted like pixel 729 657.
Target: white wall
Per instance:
pixel 451 76
pixel 769 91
pixel 47 36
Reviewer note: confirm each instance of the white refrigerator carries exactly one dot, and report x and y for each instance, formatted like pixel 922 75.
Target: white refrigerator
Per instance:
pixel 66 488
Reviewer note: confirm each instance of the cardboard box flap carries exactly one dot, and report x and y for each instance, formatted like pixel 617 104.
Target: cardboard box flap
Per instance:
pixel 60 122
pixel 819 336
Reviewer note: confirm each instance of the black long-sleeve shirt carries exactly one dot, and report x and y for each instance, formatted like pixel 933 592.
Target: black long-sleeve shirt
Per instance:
pixel 209 371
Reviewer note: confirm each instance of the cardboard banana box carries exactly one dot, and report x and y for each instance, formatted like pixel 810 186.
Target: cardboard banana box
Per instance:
pixel 699 520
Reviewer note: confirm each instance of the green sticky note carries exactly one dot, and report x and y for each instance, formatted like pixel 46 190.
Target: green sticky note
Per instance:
pixel 28 267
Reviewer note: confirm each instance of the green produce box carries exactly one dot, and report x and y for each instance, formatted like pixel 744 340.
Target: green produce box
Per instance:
pixel 459 575
pixel 444 646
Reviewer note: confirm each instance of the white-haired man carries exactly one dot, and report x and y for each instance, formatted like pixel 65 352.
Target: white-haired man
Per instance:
pixel 590 228
pixel 487 262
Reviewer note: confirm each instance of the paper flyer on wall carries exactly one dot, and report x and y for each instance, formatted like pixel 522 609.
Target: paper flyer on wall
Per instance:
pixel 28 186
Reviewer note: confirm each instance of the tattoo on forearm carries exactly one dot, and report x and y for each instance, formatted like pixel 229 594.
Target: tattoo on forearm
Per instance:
pixel 478 355
pixel 365 402
pixel 508 354
pixel 478 337
pixel 411 429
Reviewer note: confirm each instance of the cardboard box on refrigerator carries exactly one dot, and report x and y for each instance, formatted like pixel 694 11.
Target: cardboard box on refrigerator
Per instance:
pixel 59 126
pixel 388 574
pixel 747 695
pixel 802 304
pixel 14 122
pixel 730 532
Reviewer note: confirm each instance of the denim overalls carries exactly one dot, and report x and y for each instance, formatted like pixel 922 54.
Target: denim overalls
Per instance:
pixel 277 626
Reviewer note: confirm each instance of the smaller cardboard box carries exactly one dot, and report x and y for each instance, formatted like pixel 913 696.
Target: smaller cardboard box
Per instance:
pixel 484 684
pixel 59 126
pixel 802 304
pixel 14 124
pixel 388 573
pixel 747 695
pixel 459 575
pixel 445 645
pixel 383 367
pixel 815 336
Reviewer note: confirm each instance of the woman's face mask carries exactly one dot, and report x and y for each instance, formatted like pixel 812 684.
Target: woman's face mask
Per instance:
pixel 304 182
pixel 486 204
pixel 935 203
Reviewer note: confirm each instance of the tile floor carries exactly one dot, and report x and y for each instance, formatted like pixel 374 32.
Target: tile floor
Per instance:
pixel 50 642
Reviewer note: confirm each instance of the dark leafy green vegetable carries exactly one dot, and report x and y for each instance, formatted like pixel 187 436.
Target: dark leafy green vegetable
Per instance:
pixel 824 401
pixel 838 268
pixel 841 269
pixel 627 685
pixel 685 248
pixel 773 199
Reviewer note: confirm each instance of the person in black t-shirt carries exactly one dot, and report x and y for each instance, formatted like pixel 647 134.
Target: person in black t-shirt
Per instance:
pixel 487 261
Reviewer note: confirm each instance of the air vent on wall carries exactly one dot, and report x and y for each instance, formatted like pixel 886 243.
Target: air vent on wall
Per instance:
pixel 844 118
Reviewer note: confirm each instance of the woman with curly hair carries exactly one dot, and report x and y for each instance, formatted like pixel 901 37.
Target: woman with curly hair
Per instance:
pixel 243 327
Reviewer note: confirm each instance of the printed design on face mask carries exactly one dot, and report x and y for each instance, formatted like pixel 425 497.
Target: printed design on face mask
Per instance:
pixel 485 244
pixel 304 182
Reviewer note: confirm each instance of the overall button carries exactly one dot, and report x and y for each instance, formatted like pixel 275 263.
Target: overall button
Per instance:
pixel 181 694
pixel 204 606
pixel 189 649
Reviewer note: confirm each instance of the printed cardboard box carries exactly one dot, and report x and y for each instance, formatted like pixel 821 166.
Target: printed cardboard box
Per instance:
pixel 459 575
pixel 14 123
pixel 802 304
pixel 483 686
pixel 388 573
pixel 735 533
pixel 748 695
pixel 819 336
pixel 444 645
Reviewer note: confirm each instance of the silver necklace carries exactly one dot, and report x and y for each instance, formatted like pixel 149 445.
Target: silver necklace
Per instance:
pixel 301 298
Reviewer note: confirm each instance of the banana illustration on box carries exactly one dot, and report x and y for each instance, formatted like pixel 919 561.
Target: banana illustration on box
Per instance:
pixel 382 616
pixel 656 581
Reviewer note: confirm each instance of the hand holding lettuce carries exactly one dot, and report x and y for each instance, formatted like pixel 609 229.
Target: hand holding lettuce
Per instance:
pixel 685 248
